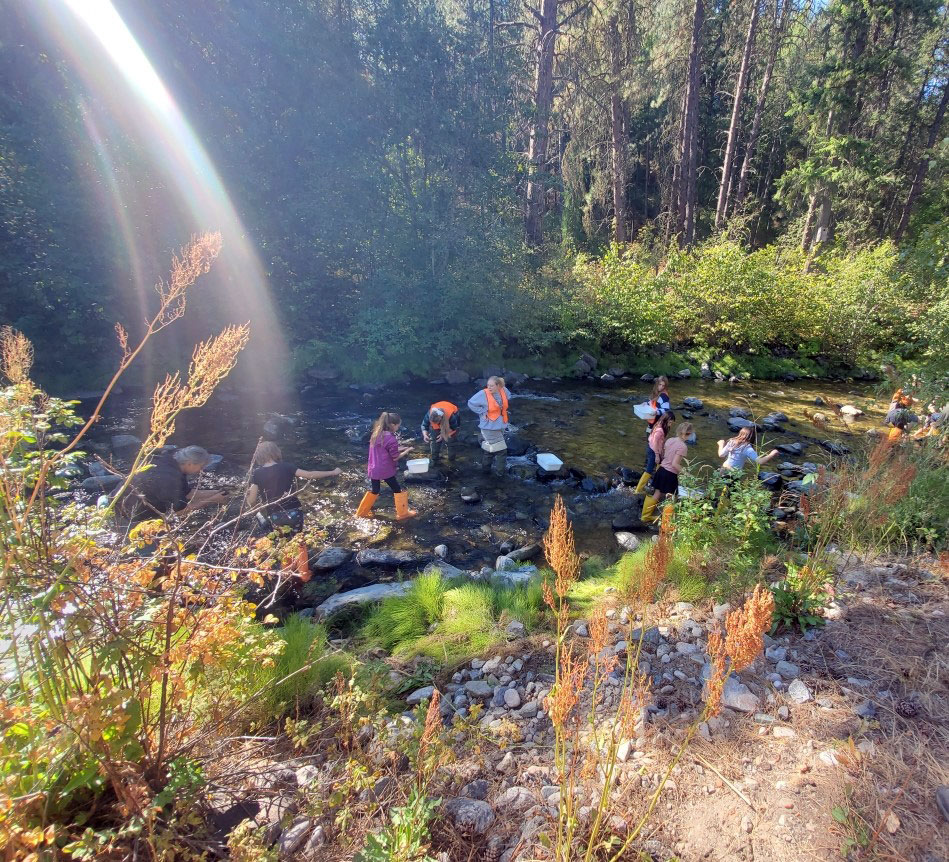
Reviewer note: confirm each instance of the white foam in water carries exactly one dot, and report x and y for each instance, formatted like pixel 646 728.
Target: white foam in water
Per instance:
pixel 533 396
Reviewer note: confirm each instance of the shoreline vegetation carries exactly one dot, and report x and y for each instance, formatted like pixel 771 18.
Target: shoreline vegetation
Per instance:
pixel 153 701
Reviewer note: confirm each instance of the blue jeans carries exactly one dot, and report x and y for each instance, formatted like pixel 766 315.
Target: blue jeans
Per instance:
pixel 650 459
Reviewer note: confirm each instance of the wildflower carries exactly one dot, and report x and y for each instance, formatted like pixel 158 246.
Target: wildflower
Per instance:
pixel 599 631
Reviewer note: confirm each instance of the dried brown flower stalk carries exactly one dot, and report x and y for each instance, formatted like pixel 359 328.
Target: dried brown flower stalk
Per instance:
pixel 16 355
pixel 211 362
pixel 565 693
pixel 560 549
pixel 433 726
pixel 193 261
pixel 655 565
pixel 741 644
pixel 599 630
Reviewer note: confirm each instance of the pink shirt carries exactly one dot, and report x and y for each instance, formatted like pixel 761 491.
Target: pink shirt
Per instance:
pixel 657 439
pixel 674 446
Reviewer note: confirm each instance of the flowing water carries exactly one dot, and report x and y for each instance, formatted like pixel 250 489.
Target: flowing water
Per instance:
pixel 590 426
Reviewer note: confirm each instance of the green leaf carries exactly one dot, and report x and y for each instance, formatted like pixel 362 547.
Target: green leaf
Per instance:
pixel 841 815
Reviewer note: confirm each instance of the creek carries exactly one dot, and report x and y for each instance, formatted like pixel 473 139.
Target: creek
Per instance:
pixel 587 424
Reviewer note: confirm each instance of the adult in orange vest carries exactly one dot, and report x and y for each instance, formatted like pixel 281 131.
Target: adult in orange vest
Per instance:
pixel 491 404
pixel 440 429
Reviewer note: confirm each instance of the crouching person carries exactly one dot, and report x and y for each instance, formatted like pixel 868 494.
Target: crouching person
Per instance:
pixel 440 429
pixel 272 483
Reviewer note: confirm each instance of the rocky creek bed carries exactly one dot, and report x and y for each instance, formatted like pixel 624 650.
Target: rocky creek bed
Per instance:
pixel 852 717
pixel 587 423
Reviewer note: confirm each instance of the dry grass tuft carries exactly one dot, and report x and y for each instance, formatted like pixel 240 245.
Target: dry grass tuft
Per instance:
pixel 16 355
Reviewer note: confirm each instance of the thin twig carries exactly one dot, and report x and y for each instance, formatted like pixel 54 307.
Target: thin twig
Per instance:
pixel 728 783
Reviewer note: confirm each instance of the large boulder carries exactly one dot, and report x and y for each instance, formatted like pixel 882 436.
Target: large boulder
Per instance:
pixel 588 359
pixel 102 483
pixel 379 558
pixel 793 449
pixel 457 377
pixel 581 367
pixel 684 374
pixel 360 596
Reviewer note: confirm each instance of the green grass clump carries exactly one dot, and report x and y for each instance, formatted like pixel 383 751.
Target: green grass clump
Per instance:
pixel 449 622
pixel 302 669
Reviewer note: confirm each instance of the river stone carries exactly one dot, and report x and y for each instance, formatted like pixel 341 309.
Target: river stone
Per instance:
pixel 607 378
pixel 455 377
pixel 362 595
pixel 624 522
pixel 581 367
pixel 125 445
pixel 770 480
pixel 693 403
pixel 528 552
pixel 520 575
pixel 589 359
pixel 739 413
pixel 517 447
pixel 478 688
pixel 441 551
pixel 515 629
pixel 837 449
pixel 648 378
pixel 470 816
pixel 735 694
pixel 627 541
pixel 101 483
pixel 470 496
pixel 684 374
pixel 788 670
pixel 616 370
pixel 331 558
pixel 512 700
pixel 798 692
pixel 776 417
pixel 614 502
pixel 790 448
pixel 736 423
pixel 293 837
pixel 389 559
pixel 515 799
pixel 850 410
pixel 420 694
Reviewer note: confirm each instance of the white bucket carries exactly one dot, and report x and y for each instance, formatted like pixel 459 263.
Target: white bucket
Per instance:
pixel 548 461
pixel 499 446
pixel 417 465
pixel 645 411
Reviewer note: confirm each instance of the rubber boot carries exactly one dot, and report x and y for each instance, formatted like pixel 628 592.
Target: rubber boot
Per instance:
pixel 487 459
pixel 502 464
pixel 366 504
pixel 402 510
pixel 649 510
pixel 643 482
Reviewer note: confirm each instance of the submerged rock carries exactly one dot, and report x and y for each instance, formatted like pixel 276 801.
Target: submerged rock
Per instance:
pixel 790 448
pixel 693 403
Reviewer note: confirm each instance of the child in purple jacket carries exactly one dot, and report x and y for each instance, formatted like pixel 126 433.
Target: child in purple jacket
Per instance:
pixel 384 454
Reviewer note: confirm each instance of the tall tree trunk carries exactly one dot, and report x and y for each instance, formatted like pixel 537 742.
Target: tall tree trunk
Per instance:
pixel 740 86
pixel 759 106
pixel 686 205
pixel 618 128
pixel 543 101
pixel 922 165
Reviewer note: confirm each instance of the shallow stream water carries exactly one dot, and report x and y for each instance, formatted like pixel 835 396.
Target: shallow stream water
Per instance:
pixel 589 425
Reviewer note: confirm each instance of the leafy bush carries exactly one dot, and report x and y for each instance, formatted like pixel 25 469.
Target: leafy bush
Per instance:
pixel 800 599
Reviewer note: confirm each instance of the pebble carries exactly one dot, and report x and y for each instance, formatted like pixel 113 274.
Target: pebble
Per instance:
pixel 784 713
pixel 747 824
pixel 784 732
pixel 512 700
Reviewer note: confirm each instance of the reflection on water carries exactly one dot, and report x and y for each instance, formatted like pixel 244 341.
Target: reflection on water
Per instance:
pixel 589 426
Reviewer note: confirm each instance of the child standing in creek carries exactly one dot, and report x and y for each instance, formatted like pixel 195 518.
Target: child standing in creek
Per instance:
pixel 384 455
